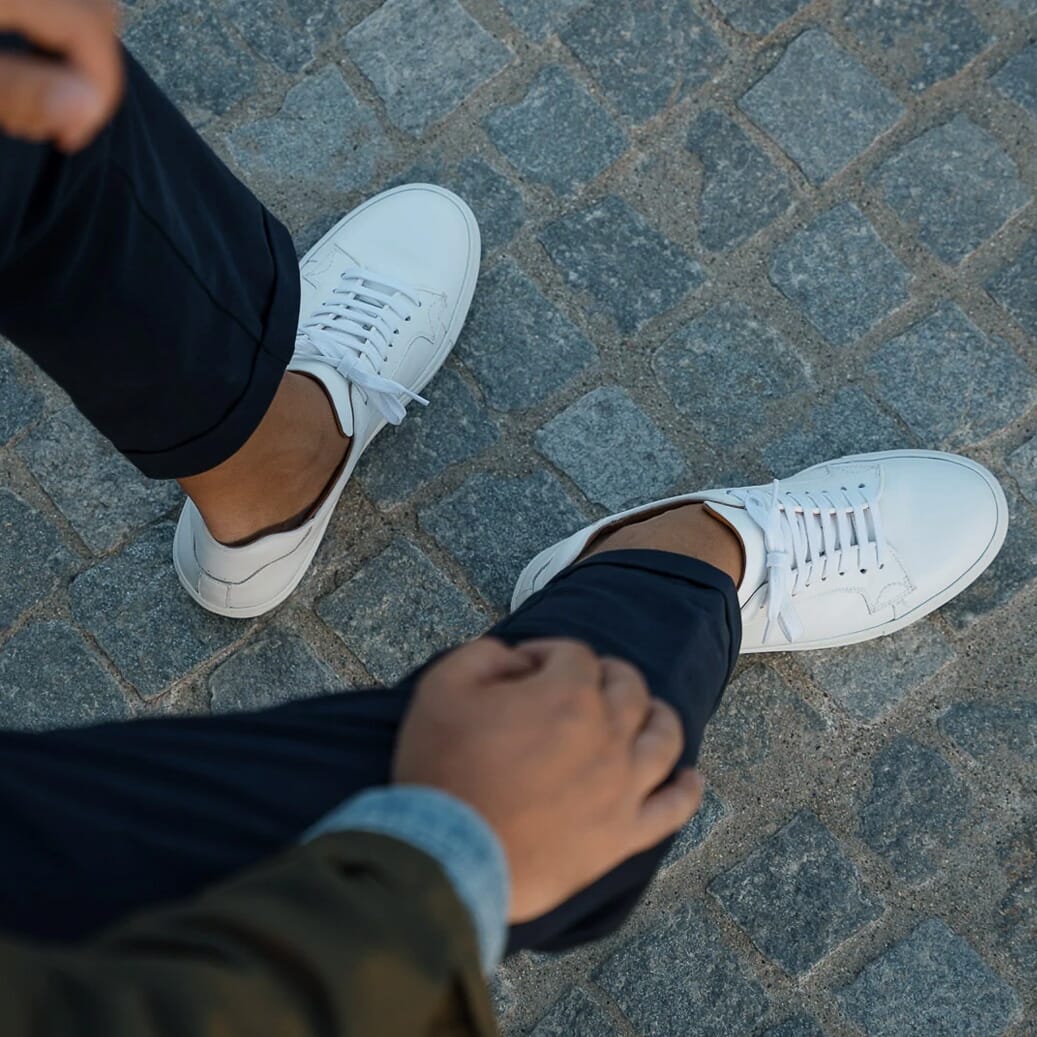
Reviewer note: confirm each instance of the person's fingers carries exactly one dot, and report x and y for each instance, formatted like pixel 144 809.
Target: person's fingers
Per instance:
pixel 486 661
pixel 565 664
pixel 668 809
pixel 657 747
pixel 41 99
pixel 83 34
pixel 627 696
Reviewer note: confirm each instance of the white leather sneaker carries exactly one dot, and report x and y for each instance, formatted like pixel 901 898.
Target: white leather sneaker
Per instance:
pixel 384 295
pixel 844 551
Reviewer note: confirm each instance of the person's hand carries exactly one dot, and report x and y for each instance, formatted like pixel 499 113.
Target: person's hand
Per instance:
pixel 67 98
pixel 565 755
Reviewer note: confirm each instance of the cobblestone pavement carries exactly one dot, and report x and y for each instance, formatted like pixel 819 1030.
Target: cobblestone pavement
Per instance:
pixel 723 239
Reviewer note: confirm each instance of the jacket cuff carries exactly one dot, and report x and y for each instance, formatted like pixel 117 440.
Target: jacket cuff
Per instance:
pixel 450 832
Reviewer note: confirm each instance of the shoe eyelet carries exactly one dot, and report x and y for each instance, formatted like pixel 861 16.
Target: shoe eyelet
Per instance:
pixel 860 486
pixel 407 319
pixel 864 572
pixel 842 574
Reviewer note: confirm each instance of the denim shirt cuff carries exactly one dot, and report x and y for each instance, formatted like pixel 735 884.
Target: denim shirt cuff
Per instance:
pixel 450 832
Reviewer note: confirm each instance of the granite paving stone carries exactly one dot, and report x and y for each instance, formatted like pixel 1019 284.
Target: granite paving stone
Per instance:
pixel 277 668
pixel 575 1014
pixel 729 373
pixel 868 680
pixel 840 274
pixel 518 345
pixel 101 494
pixel 453 428
pixel 821 105
pixel 398 610
pixel 679 979
pixel 537 134
pixel 49 678
pixel 123 600
pixel 915 811
pixel 422 76
pixel 697 830
pixel 985 729
pixel 931 982
pixel 495 200
pixel 851 423
pixel 1022 463
pixel 611 449
pixel 644 55
pixel 760 16
pixel 951 383
pixel 627 267
pixel 19 405
pixel 742 191
pixel 1015 287
pixel 1013 569
pixel 540 18
pixel 1017 80
pixel 750 719
pixel 33 560
pixel 1024 7
pixel 494 524
pixel 1017 912
pixel 953 185
pixel 273 29
pixel 925 41
pixel 798 1026
pixel 193 57
pixel 322 136
pixel 797 895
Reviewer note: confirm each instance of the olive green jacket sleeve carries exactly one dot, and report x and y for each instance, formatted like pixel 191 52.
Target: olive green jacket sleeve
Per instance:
pixel 351 935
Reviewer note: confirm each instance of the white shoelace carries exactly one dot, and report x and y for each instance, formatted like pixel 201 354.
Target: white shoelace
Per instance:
pixel 808 535
pixel 358 323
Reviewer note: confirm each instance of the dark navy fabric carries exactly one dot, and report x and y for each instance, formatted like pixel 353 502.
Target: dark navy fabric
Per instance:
pixel 102 821
pixel 149 283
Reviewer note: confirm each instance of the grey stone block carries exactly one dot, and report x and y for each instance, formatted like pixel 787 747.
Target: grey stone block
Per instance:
pixel 493 525
pixel 742 190
pixel 1017 80
pixel 275 30
pixel 49 678
pixel 101 494
pixel 850 424
pixel 628 268
pixel 755 707
pixel 33 559
pixel 868 680
pixel 611 449
pixel 924 40
pixel 841 274
pixel 1023 465
pixel 915 811
pixel 760 16
pixel 1013 569
pixel 1015 287
pixel 933 983
pixel 985 729
pixel 540 18
pixel 424 58
pixel 574 1015
pixel 1016 922
pixel 517 344
pixel 322 138
pixel 1024 7
pixel 19 405
pixel 798 1026
pixel 494 199
pixel 729 373
pixel 398 611
pixel 797 895
pixel 644 55
pixel 192 57
pixel 679 978
pixel 954 185
pixel 821 105
pixel 537 134
pixel 277 668
pixel 951 383
pixel 697 830
pixel 143 619
pixel 453 428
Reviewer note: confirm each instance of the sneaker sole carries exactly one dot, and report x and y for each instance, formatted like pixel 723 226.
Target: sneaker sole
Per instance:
pixel 457 321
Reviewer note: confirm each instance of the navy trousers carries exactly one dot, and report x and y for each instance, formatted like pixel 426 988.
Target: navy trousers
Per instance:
pixel 163 297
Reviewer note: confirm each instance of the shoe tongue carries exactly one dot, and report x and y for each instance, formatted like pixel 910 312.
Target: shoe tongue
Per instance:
pixel 752 544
